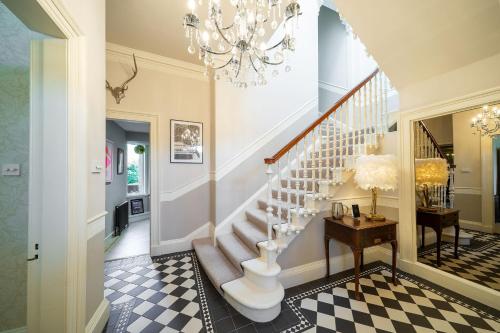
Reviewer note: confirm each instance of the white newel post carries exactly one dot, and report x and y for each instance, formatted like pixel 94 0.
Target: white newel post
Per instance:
pixel 452 187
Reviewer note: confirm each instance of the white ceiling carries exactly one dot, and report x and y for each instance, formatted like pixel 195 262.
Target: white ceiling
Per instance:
pixel 150 25
pixel 415 40
pixel 132 126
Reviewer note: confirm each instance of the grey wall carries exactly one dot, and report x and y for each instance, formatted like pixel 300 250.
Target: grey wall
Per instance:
pixel 116 191
pixel 244 181
pixel 327 99
pixel 138 137
pixel 332 49
pixel 14 148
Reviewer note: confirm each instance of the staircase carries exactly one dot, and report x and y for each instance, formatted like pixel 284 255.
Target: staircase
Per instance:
pixel 302 180
pixel 426 146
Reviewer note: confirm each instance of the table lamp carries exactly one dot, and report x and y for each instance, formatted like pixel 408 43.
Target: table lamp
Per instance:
pixel 374 172
pixel 429 172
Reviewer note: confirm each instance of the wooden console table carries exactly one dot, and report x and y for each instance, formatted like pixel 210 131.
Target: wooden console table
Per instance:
pixel 439 220
pixel 360 235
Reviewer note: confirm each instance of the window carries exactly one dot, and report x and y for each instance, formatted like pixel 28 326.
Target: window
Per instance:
pixel 136 168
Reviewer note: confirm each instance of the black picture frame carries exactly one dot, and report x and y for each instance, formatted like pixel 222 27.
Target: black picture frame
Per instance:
pixel 193 153
pixel 120 163
pixel 136 206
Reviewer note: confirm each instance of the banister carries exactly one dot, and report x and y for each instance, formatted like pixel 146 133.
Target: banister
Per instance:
pixel 334 108
pixel 433 140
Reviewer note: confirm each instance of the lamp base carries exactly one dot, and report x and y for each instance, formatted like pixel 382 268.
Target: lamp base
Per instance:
pixel 375 217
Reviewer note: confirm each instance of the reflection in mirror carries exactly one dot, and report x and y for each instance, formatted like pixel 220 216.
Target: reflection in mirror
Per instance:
pixel 457 168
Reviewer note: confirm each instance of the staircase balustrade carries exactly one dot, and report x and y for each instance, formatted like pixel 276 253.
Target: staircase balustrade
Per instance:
pixel 426 146
pixel 315 160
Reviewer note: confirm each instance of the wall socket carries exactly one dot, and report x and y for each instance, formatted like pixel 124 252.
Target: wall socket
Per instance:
pixel 11 170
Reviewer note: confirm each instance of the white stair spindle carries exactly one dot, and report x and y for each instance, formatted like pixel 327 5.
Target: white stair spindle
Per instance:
pixel 451 189
pixel 334 145
pixel 341 138
pixel 280 201
pixel 313 171
pixel 365 122
pixel 269 209
pixel 320 159
pixel 328 148
pixel 289 191
pixel 297 179
pixel 306 163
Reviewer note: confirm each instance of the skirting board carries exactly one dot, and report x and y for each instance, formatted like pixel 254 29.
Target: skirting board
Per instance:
pixel 298 275
pixel 181 244
pixel 16 330
pixel 99 318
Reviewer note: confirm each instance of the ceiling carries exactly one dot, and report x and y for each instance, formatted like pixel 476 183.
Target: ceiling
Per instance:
pixel 416 40
pixel 154 26
pixel 133 126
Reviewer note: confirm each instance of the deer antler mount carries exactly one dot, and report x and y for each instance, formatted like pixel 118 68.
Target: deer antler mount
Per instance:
pixel 119 92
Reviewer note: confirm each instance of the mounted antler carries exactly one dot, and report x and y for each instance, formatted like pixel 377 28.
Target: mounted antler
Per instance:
pixel 119 92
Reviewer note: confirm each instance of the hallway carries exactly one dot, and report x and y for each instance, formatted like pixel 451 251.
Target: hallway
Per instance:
pixel 134 241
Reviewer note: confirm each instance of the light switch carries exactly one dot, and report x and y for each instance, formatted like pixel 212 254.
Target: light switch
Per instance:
pixel 96 167
pixel 11 170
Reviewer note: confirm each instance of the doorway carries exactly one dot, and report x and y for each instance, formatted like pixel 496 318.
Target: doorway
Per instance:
pixel 128 189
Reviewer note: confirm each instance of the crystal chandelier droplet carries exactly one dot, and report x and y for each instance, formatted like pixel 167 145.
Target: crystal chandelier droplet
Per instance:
pixel 488 121
pixel 239 50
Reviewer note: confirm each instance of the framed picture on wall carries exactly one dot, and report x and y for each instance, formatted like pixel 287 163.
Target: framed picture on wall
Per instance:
pixel 120 162
pixel 109 161
pixel 186 142
pixel 136 206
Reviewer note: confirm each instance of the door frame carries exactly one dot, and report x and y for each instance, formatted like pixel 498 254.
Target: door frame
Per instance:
pixel 407 206
pixel 154 181
pixel 76 169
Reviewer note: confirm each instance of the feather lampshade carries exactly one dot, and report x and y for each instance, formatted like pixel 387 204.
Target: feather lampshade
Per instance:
pixel 430 172
pixel 376 172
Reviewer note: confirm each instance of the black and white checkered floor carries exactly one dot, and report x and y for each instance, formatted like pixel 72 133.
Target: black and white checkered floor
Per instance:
pixel 479 262
pixel 172 294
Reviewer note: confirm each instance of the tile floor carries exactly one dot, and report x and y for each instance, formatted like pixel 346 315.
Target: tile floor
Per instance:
pixel 172 294
pixel 134 241
pixel 479 262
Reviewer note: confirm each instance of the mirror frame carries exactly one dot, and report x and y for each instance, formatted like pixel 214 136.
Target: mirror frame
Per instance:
pixel 407 217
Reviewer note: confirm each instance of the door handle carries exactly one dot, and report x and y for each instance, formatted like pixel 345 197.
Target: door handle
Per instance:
pixel 34 258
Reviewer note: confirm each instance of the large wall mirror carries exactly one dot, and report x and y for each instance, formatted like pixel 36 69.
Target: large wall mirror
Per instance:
pixel 457 168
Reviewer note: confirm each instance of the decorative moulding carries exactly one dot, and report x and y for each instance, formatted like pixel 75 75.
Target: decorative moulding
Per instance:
pixel 99 318
pixel 123 54
pixel 96 224
pixel 181 244
pixel 263 140
pixel 173 195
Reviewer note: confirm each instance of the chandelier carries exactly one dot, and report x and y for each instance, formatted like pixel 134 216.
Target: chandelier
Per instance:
pixel 488 121
pixel 237 51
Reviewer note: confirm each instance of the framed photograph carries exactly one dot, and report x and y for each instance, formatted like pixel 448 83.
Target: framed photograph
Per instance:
pixel 136 206
pixel 120 163
pixel 186 142
pixel 109 161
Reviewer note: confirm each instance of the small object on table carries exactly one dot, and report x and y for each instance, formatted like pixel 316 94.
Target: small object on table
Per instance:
pixel 359 235
pixel 438 220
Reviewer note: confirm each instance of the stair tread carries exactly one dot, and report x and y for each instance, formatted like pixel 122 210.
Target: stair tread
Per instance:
pixel 217 266
pixel 235 249
pixel 251 295
pixel 259 218
pixel 250 234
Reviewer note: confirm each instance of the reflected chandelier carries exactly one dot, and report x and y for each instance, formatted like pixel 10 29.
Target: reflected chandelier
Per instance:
pixel 488 121
pixel 237 50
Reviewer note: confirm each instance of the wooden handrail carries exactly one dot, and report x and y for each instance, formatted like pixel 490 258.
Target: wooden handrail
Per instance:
pixel 434 142
pixel 334 108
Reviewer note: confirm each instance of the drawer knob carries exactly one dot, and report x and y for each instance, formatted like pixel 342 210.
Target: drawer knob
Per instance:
pixel 377 240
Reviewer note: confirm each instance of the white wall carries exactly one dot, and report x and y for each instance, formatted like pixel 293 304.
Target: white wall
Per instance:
pixel 89 17
pixel 168 89
pixel 243 116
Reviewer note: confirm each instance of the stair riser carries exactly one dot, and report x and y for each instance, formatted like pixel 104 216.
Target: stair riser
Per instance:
pixel 284 212
pixel 264 282
pixel 248 242
pixel 293 197
pixel 232 259
pixel 256 315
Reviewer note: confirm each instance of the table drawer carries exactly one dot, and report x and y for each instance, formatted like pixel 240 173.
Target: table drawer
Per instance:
pixel 450 218
pixel 376 237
